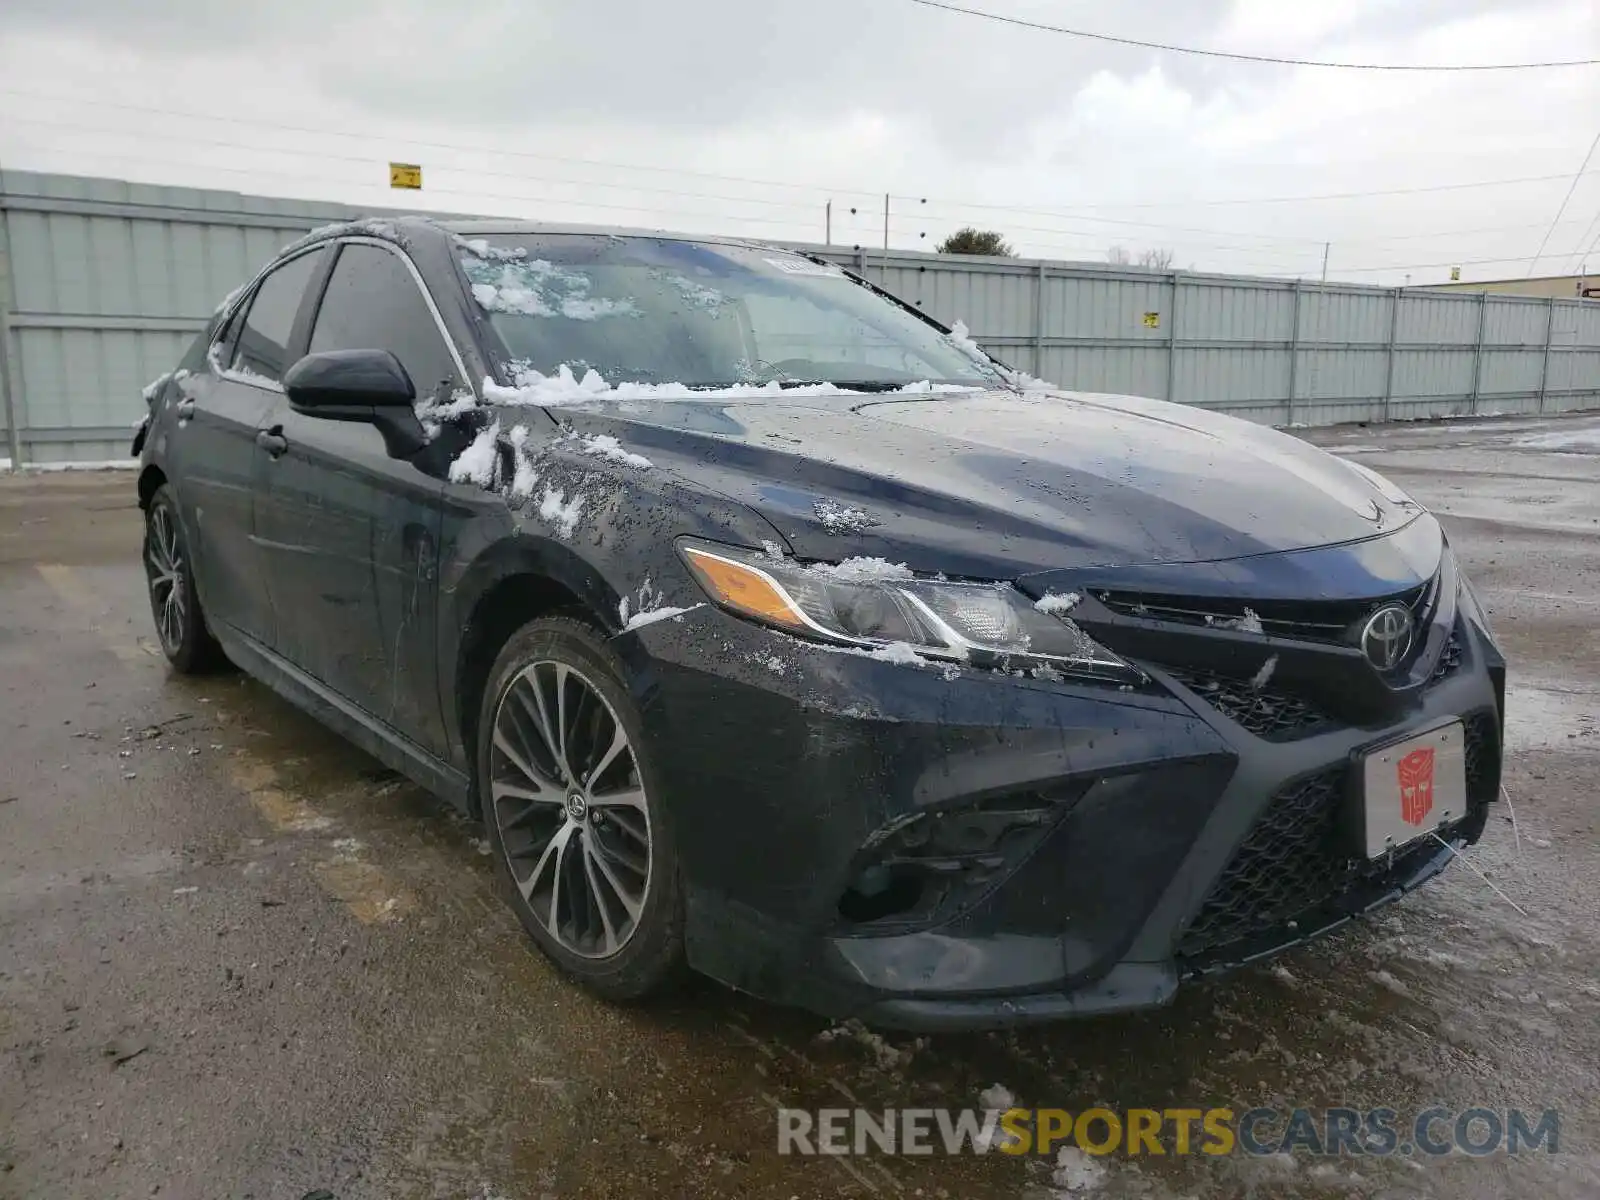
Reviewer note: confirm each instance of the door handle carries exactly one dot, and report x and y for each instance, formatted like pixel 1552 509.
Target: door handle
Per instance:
pixel 272 441
pixel 184 409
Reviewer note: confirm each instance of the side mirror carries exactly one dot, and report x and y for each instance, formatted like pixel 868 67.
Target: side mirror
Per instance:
pixel 359 385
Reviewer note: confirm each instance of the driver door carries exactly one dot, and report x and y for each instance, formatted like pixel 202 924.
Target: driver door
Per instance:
pixel 351 534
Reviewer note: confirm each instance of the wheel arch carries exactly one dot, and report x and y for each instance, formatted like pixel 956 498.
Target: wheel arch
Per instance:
pixel 513 583
pixel 150 479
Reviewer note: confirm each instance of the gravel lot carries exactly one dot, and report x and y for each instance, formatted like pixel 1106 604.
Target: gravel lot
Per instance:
pixel 239 958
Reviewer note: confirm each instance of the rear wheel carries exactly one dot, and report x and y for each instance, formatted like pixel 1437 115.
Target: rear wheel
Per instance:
pixel 573 812
pixel 180 623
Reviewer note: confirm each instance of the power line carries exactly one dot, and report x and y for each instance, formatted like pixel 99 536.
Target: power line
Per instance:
pixel 1252 58
pixel 1565 200
pixel 822 191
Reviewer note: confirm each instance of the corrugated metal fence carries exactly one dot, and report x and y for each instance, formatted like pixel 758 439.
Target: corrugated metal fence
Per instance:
pixel 103 283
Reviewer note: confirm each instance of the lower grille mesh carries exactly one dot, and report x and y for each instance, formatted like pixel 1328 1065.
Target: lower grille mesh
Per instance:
pixel 1266 712
pixel 1296 860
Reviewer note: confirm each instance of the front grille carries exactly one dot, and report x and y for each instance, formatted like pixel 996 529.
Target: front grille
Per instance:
pixel 1267 712
pixel 1297 861
pixel 1303 620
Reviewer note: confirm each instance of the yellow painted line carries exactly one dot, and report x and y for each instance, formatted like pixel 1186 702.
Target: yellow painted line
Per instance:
pixel 64 581
pixel 360 885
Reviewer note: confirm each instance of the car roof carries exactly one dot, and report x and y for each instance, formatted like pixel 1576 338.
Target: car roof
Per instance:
pixel 502 226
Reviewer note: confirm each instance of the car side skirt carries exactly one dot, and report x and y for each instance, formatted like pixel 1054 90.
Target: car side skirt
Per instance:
pixel 359 727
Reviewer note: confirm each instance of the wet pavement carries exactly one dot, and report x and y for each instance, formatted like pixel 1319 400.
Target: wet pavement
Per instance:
pixel 239 958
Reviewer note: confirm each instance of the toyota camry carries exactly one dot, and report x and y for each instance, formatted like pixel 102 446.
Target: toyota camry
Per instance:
pixel 776 631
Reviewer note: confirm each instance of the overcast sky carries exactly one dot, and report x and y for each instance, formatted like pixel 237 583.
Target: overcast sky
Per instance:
pixel 747 116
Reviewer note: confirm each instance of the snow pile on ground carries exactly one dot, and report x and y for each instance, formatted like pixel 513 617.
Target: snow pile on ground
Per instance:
pixel 477 463
pixel 1076 1173
pixel 605 446
pixel 888 1056
pixel 1057 603
pixel 563 388
pixel 841 518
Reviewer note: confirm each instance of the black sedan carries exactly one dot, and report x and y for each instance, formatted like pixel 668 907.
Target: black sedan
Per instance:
pixel 776 631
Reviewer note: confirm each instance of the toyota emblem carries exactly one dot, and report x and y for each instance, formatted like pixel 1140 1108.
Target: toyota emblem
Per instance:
pixel 1386 637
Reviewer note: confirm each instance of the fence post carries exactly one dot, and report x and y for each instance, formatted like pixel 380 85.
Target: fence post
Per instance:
pixel 1477 355
pixel 1294 354
pixel 1172 343
pixel 1394 336
pixel 1038 321
pixel 1549 336
pixel 10 380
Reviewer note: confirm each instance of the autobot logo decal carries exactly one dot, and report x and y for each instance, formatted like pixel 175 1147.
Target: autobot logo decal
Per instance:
pixel 1387 636
pixel 1416 785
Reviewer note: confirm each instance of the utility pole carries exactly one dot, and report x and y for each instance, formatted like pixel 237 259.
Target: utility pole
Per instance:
pixel 886 220
pixel 827 223
pixel 1326 246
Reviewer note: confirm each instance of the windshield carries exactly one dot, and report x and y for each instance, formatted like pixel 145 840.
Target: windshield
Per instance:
pixel 659 310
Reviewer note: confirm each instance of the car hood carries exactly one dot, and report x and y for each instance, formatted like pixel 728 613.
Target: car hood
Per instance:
pixel 999 481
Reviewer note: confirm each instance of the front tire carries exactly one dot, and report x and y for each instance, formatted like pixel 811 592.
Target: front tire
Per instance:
pixel 180 622
pixel 574 814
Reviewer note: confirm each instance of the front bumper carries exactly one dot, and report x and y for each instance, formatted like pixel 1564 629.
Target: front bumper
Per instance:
pixel 1085 848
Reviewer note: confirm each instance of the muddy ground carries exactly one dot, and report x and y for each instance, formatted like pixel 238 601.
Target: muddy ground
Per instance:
pixel 238 958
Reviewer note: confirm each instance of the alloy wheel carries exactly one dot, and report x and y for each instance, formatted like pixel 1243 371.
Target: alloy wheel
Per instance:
pixel 569 806
pixel 164 566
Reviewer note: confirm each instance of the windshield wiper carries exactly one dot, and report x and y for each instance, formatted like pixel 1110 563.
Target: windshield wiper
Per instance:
pixel 850 385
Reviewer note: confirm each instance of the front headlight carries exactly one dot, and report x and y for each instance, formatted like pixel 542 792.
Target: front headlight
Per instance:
pixel 873 604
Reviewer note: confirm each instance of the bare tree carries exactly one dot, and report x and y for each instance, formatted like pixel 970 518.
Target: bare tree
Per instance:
pixel 1156 258
pixel 976 241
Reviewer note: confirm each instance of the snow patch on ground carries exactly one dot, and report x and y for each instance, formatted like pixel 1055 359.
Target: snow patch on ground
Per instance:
pixel 1076 1173
pixel 1057 603
pixel 1386 980
pixel 841 518
pixel 996 1098
pixel 1572 441
pixel 888 1056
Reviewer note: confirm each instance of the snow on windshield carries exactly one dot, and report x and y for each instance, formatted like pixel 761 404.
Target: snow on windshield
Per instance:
pixel 506 280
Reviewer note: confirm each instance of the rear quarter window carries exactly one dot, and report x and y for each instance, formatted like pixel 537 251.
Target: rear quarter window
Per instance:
pixel 262 345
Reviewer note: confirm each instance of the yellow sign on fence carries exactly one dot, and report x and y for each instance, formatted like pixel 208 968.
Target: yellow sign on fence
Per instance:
pixel 405 175
pixel 1152 320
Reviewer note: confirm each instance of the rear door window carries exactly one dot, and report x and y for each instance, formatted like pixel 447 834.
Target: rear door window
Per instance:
pixel 372 302
pixel 262 344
